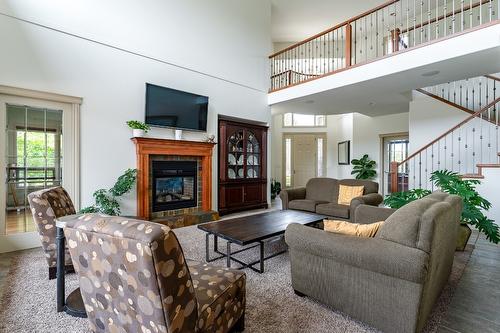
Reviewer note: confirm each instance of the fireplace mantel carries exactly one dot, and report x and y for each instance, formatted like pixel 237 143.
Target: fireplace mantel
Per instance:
pixel 145 147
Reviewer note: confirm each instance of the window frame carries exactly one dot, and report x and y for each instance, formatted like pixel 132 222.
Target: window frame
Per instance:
pixel 305 126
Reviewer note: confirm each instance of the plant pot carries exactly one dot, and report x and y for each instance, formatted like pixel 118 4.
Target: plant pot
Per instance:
pixel 463 236
pixel 137 133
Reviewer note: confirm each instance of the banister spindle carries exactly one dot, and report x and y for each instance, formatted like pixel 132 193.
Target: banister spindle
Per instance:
pixel 461 15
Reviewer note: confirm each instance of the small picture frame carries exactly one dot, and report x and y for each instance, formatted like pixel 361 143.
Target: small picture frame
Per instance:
pixel 343 153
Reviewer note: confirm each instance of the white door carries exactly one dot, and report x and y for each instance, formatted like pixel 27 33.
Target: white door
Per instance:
pixel 304 158
pixel 37 151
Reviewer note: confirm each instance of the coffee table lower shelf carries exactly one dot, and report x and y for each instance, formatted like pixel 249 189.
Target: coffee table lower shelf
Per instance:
pixel 229 254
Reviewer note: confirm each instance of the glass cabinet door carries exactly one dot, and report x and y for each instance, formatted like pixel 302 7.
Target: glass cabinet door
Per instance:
pixel 253 156
pixel 235 156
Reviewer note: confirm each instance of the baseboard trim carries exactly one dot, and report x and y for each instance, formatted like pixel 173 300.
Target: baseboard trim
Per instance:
pixel 20 241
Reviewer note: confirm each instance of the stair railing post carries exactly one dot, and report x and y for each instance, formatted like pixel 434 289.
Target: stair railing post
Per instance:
pixel 348 44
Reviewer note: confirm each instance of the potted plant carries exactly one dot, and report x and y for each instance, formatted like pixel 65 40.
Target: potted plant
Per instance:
pixel 474 205
pixel 138 128
pixel 106 201
pixel 364 168
pixel 275 188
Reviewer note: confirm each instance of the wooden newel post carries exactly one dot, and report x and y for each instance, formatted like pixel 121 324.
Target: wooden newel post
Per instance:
pixel 393 171
pixel 395 39
pixel 348 44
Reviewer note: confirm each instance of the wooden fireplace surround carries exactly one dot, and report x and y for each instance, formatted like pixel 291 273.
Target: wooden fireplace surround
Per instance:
pixel 145 147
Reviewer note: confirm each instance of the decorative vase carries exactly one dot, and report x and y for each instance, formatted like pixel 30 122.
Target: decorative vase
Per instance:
pixel 137 133
pixel 463 236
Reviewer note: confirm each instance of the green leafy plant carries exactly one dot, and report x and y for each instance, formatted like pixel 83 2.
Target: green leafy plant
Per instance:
pixel 135 124
pixel 107 201
pixel 451 182
pixel 474 204
pixel 399 199
pixel 275 188
pixel 364 168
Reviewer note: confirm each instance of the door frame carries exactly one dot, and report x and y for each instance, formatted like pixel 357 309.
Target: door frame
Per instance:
pixel 71 175
pixel 286 135
pixel 382 155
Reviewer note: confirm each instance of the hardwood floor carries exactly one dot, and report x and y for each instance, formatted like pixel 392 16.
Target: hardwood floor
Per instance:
pixel 476 303
pixel 19 221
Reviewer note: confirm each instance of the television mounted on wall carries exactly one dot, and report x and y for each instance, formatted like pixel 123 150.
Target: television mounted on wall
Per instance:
pixel 167 107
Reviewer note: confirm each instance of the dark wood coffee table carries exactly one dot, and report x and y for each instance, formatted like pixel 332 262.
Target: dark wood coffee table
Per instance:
pixel 254 230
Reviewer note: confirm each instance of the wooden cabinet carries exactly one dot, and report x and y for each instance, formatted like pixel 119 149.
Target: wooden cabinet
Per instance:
pixel 242 166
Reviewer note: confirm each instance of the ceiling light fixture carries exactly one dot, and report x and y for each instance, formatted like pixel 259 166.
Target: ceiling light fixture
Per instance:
pixel 431 73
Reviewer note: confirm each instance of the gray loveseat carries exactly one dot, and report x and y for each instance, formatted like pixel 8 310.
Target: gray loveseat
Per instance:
pixel 321 196
pixel 390 281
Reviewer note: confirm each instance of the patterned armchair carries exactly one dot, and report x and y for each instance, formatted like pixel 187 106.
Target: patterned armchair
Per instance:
pixel 134 278
pixel 47 205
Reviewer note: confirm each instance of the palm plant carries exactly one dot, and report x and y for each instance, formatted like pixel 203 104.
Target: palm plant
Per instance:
pixel 399 199
pixel 363 168
pixel 474 204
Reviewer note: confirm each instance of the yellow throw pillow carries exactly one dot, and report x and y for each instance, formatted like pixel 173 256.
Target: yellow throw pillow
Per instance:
pixel 347 193
pixel 352 229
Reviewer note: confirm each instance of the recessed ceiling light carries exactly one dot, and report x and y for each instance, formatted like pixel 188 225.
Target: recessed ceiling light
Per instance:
pixel 431 73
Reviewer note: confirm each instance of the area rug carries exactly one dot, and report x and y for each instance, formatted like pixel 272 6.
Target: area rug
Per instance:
pixel 28 301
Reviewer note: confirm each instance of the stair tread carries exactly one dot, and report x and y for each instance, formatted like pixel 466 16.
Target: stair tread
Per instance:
pixel 472 175
pixel 490 165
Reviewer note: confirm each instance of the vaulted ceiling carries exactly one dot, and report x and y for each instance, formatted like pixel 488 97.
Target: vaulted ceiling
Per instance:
pixel 295 20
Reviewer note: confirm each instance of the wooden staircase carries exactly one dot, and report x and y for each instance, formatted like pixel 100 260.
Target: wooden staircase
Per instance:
pixel 467 148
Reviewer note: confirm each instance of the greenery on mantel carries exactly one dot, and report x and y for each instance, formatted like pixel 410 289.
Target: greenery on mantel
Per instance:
pixel 474 205
pixel 364 168
pixel 135 124
pixel 107 201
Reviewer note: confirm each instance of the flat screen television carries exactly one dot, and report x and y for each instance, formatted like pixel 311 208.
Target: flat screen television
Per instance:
pixel 166 107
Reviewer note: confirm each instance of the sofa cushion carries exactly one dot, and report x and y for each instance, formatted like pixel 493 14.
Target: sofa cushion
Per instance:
pixel 333 209
pixel 304 204
pixel 322 189
pixel 347 193
pixel 352 229
pixel 220 294
pixel 413 224
pixel 370 186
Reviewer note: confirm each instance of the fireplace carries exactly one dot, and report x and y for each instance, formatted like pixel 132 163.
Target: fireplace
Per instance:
pixel 174 185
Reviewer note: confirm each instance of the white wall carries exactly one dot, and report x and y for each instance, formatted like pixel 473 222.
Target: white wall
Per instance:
pixel 429 118
pixel 367 131
pixel 218 49
pixel 489 190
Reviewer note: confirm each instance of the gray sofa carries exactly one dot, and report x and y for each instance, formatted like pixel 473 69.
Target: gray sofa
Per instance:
pixel 390 281
pixel 321 196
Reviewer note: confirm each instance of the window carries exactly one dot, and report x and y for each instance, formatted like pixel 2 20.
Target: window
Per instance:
pixel 303 120
pixel 288 162
pixel 320 171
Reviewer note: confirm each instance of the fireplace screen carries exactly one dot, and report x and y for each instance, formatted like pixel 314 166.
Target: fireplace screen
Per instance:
pixel 174 189
pixel 174 185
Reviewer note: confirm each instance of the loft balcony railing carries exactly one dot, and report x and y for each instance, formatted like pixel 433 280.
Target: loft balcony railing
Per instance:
pixel 390 28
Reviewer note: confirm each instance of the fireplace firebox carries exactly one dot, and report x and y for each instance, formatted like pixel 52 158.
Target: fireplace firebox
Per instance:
pixel 174 185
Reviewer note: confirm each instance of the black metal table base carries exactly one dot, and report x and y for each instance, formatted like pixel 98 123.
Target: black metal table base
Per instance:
pixel 229 254
pixel 73 304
